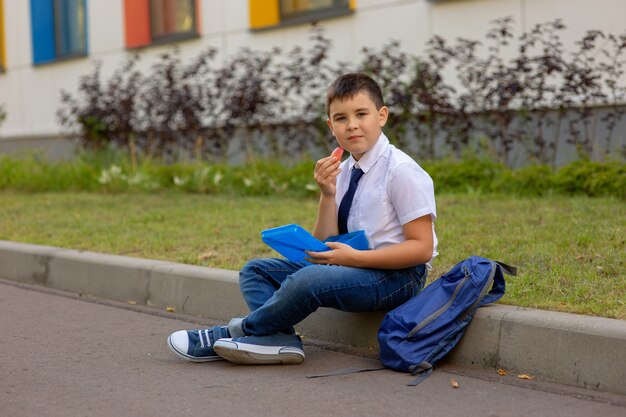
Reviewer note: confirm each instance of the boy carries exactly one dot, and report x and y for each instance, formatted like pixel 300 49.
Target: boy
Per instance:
pixel 378 189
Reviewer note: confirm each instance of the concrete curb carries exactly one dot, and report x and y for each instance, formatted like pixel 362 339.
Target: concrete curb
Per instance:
pixel 570 349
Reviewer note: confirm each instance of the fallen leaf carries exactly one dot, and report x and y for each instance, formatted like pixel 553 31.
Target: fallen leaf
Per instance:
pixel 454 383
pixel 525 376
pixel 502 372
pixel 206 255
pixel 132 302
pixel 170 309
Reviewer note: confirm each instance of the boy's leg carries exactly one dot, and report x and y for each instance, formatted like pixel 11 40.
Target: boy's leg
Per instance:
pixel 308 288
pixel 260 278
pixel 301 293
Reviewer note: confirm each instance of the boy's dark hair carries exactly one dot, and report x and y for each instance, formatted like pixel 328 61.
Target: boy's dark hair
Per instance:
pixel 349 85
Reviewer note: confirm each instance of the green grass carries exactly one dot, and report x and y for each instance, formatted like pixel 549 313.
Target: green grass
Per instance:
pixel 569 250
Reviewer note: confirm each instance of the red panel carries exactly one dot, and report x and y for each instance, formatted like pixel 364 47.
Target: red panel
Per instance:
pixel 137 22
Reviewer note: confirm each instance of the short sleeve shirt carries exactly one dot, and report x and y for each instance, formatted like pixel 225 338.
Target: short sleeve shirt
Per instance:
pixel 393 191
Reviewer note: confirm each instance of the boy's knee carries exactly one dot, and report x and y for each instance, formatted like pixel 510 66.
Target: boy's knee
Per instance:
pixel 250 269
pixel 307 279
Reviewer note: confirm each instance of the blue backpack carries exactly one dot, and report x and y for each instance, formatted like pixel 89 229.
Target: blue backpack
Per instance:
pixel 424 329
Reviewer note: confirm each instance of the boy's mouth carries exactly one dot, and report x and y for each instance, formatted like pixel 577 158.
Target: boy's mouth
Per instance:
pixel 353 137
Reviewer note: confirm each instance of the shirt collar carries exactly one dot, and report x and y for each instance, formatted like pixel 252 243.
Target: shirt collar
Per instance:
pixel 370 157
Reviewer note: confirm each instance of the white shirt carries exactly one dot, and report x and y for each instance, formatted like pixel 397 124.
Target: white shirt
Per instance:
pixel 393 191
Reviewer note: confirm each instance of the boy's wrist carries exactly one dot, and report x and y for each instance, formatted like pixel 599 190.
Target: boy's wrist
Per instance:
pixel 358 258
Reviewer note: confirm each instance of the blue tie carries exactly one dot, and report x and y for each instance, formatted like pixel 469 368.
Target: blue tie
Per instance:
pixel 346 201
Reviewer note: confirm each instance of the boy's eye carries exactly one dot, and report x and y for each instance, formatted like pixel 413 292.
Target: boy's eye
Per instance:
pixel 339 118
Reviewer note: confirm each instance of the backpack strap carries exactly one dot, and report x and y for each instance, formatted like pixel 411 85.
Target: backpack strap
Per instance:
pixel 346 371
pixel 498 284
pixel 422 371
pixel 508 269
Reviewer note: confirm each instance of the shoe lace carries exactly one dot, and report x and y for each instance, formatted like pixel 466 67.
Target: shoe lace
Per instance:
pixel 206 335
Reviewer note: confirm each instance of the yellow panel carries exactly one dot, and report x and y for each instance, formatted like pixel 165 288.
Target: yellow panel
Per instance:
pixel 352 4
pixel 264 13
pixel 2 53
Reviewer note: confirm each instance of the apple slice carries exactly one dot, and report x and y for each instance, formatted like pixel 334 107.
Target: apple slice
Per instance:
pixel 337 153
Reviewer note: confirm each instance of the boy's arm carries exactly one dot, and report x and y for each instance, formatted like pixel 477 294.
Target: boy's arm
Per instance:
pixel 326 222
pixel 325 174
pixel 416 250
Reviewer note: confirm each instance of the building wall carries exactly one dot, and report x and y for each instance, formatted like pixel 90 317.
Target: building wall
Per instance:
pixel 31 94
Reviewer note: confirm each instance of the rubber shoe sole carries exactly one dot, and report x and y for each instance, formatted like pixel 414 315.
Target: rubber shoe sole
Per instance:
pixel 246 354
pixel 189 357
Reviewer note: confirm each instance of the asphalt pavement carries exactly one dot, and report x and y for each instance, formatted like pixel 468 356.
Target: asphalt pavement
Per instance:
pixel 66 355
pixel 572 349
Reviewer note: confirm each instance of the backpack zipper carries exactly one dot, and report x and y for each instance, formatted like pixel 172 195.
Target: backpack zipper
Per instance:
pixel 440 311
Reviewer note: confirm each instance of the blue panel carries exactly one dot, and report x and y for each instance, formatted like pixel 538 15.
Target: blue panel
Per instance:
pixel 42 24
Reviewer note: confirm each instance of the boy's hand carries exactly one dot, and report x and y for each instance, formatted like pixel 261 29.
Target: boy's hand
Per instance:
pixel 325 174
pixel 340 254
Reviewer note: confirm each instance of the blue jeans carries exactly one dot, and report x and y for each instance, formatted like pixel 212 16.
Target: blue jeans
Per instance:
pixel 281 293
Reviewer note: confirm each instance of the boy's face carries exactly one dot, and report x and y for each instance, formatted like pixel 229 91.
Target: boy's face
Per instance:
pixel 356 123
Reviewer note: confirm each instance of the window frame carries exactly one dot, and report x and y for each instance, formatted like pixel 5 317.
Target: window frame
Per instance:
pixel 58 33
pixel 267 14
pixel 339 8
pixel 174 37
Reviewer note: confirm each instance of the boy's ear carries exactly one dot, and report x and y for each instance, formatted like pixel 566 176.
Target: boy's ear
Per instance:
pixel 383 114
pixel 330 126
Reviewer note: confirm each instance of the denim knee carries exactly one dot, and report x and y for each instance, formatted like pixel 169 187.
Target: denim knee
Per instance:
pixel 301 288
pixel 249 271
pixel 253 284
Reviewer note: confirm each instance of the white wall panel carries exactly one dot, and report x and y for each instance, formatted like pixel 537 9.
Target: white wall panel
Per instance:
pixel 471 19
pixel 406 22
pixel 214 17
pixel 17 34
pixel 106 26
pixel 579 16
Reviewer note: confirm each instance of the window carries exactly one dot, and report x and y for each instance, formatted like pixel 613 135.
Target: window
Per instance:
pixel 59 29
pixel 160 21
pixel 311 9
pixel 172 18
pixel 2 53
pixel 271 13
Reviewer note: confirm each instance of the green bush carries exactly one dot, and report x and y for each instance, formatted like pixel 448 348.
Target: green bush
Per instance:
pixel 536 180
pixel 112 173
pixel 592 179
pixel 35 174
pixel 471 174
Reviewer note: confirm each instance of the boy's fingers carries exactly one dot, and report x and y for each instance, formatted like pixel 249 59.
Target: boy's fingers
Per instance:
pixel 325 166
pixel 317 255
pixel 314 257
pixel 335 245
